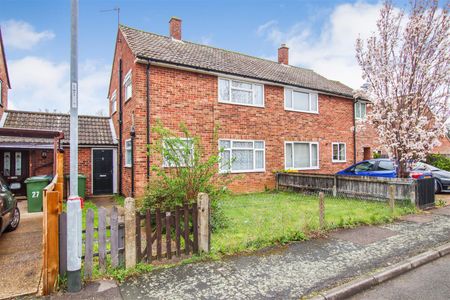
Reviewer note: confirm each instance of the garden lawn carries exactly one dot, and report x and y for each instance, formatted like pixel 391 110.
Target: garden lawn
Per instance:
pixel 263 219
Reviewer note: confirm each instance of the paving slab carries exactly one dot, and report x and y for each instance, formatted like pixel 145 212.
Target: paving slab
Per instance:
pixel 441 211
pixel 363 235
pixel 418 218
pixel 293 271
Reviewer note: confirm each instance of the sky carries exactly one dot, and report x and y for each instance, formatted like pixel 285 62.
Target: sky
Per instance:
pixel 320 34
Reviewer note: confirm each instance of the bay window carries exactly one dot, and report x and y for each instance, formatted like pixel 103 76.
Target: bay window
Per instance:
pixel 242 156
pixel 300 100
pixel 301 155
pixel 241 92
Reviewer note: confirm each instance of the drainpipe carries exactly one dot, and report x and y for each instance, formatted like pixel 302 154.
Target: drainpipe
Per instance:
pixel 132 135
pixel 354 130
pixel 120 126
pixel 148 116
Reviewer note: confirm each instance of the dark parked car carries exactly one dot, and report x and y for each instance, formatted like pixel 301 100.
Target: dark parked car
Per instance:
pixel 381 167
pixel 441 177
pixel 10 214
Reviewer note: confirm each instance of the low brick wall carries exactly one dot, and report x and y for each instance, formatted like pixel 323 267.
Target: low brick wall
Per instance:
pixel 372 188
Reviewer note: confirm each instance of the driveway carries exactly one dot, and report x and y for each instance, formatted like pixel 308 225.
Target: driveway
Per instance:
pixel 21 256
pixel 444 196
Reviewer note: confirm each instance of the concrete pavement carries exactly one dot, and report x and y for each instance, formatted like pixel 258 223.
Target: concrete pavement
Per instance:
pixel 430 281
pixel 298 269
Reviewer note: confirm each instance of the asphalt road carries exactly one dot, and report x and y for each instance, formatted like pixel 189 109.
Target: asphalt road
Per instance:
pixel 431 281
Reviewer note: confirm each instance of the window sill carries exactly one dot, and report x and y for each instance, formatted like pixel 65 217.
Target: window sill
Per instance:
pixel 338 161
pixel 302 111
pixel 242 171
pixel 241 104
pixel 302 169
pixel 129 98
pixel 128 166
pixel 113 113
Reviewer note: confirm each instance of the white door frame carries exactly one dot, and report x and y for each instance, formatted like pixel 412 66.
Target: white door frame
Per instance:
pixel 114 166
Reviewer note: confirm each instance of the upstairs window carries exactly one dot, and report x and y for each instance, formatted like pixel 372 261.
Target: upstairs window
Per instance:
pixel 339 152
pixel 128 86
pixel 301 155
pixel 299 100
pixel 128 153
pixel 178 152
pixel 114 102
pixel 240 92
pixel 242 156
pixel 360 110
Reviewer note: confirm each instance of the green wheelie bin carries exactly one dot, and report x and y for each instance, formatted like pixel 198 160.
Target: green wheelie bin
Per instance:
pixel 35 189
pixel 81 185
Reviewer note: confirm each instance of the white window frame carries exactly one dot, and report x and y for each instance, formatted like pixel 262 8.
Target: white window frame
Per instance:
pixel 167 164
pixel 128 148
pixel 310 156
pixel 358 108
pixel 254 170
pixel 299 90
pixel 230 80
pixel 339 144
pixel 114 102
pixel 127 82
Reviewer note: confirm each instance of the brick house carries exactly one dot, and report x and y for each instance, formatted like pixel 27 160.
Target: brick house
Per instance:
pixel 271 115
pixel 5 84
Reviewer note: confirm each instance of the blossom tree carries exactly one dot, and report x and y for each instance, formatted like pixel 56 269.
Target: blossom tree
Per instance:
pixel 406 66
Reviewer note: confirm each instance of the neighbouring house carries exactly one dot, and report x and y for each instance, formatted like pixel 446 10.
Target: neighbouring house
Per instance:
pixel 271 115
pixel 22 157
pixel 5 84
pixel 444 148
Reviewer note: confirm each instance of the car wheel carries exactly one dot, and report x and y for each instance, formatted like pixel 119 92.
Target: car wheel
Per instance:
pixel 15 221
pixel 437 186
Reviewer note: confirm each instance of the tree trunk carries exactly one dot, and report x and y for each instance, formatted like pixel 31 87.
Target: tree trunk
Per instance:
pixel 402 170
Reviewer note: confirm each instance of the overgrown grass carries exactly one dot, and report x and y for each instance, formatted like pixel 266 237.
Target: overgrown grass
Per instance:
pixel 259 220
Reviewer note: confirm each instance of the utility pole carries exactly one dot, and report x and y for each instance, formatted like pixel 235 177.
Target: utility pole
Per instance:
pixel 74 201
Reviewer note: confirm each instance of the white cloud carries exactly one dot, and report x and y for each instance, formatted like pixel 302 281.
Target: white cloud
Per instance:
pixel 39 84
pixel 331 52
pixel 21 35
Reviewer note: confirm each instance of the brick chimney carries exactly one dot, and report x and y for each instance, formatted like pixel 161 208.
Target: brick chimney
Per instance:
pixel 175 28
pixel 283 54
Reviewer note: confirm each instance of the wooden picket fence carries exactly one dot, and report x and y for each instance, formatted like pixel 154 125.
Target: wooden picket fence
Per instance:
pixel 102 242
pixel 164 234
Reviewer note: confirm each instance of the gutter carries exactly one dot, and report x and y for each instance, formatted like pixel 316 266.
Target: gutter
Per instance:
pixel 162 63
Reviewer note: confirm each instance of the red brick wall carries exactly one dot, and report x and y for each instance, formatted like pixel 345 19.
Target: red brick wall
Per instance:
pixel 4 79
pixel 84 165
pixel 39 165
pixel 367 136
pixel 444 148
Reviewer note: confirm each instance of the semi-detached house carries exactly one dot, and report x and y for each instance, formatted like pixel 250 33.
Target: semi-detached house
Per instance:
pixel 271 115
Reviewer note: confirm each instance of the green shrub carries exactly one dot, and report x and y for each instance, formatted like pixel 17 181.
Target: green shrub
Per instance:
pixel 185 172
pixel 439 161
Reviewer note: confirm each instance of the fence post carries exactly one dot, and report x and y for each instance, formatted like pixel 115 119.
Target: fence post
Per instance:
pixel 203 206
pixel 412 193
pixel 392 197
pixel 321 210
pixel 130 233
pixel 334 186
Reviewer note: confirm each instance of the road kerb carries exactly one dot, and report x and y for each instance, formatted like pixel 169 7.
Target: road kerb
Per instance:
pixel 443 250
pixel 353 287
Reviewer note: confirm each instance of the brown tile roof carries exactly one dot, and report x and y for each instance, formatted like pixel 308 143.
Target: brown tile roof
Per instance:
pixel 164 49
pixel 92 130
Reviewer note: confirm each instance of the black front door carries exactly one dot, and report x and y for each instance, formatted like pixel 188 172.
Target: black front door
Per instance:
pixel 14 168
pixel 102 171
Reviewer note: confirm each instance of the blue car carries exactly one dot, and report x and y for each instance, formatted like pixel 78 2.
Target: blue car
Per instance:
pixel 381 167
pixel 373 167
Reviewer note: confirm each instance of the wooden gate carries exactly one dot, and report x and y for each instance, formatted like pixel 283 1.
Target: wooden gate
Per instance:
pixel 425 192
pixel 52 208
pixel 167 233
